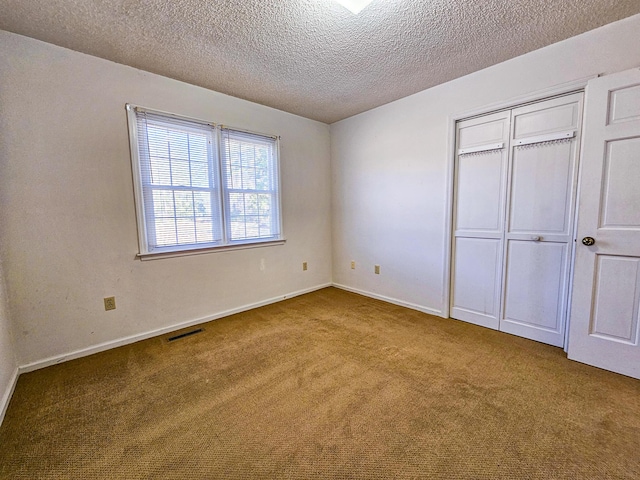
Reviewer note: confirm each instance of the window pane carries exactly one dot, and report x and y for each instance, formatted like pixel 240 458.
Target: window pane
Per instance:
pixel 204 230
pixel 178 145
pixel 158 142
pixel 202 204
pixel 198 147
pixel 160 171
pixel 200 175
pixel 252 225
pixel 180 174
pixel 265 226
pixel 236 204
pixel 234 180
pixel 186 230
pixel 165 232
pixel 237 228
pixel 263 180
pixel 251 204
pixel 248 167
pixel 163 203
pixel 184 204
pixel 251 215
pixel 264 204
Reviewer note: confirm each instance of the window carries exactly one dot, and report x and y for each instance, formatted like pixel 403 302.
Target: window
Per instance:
pixel 201 186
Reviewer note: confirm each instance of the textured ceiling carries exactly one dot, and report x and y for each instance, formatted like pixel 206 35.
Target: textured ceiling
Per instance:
pixel 309 57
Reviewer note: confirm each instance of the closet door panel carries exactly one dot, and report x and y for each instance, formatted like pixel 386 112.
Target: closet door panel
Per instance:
pixel 482 131
pixel 477 281
pixel 546 117
pixel 535 295
pixel 541 188
pixel 479 184
pixel 539 227
pixel 479 216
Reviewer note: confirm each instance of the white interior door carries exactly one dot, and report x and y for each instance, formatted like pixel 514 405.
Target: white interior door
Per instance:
pixel 539 229
pixel 480 183
pixel 606 288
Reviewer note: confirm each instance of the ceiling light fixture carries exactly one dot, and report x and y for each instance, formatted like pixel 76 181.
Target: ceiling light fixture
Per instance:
pixel 355 6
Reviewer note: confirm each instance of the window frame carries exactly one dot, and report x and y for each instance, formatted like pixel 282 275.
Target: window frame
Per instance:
pixel 225 244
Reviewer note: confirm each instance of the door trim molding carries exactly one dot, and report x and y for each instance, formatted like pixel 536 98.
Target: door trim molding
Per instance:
pixel 574 86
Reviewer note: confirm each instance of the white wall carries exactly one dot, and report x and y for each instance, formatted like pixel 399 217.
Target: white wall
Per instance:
pixel 8 363
pixel 67 212
pixel 389 165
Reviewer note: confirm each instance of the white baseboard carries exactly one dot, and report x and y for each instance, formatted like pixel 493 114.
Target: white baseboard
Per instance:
pixel 6 396
pixel 160 331
pixel 395 301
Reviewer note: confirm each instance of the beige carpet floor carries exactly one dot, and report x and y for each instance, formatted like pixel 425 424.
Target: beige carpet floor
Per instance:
pixel 329 385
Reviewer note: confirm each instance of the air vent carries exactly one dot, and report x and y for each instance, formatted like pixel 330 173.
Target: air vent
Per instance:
pixel 185 334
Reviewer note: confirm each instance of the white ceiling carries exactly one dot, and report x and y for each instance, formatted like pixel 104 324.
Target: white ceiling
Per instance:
pixel 309 57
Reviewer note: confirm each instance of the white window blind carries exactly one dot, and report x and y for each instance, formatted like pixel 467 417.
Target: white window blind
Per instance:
pixel 251 190
pixel 201 186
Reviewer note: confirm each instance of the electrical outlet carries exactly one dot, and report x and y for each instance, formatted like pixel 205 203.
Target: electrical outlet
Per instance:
pixel 353 265
pixel 304 266
pixel 110 303
pixel 376 269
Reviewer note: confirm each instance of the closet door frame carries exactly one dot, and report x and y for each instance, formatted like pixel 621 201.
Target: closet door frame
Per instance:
pixel 576 86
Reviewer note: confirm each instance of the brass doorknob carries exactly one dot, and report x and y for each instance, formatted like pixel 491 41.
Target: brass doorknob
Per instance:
pixel 588 241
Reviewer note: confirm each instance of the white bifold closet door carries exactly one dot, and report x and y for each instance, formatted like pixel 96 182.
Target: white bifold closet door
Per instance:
pixel 480 197
pixel 516 173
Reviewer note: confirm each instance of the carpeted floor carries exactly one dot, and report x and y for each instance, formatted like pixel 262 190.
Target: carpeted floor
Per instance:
pixel 329 385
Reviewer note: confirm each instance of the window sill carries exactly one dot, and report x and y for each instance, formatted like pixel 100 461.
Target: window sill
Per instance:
pixel 200 251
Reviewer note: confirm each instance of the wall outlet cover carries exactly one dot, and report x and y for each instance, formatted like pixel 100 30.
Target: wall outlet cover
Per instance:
pixel 110 303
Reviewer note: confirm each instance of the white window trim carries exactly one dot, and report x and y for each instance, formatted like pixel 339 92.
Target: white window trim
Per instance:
pixel 180 250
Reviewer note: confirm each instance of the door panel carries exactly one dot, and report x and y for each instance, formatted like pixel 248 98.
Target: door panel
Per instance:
pixel 621 198
pixel 605 298
pixel 535 296
pixel 487 130
pixel 477 285
pixel 554 116
pixel 479 177
pixel 616 295
pixel 542 187
pixel 625 104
